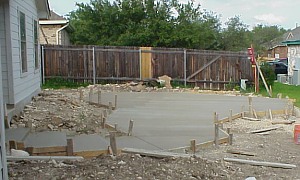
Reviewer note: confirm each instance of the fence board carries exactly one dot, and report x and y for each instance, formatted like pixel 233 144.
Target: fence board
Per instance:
pixel 123 63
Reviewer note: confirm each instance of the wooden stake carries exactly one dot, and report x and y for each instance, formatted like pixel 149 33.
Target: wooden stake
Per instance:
pixel 230 139
pixel 250 106
pixel 193 146
pixel 105 113
pixel 99 96
pixel 116 127
pixel 113 143
pixel 230 115
pixel 228 130
pixel 130 128
pixel 109 107
pixel 270 114
pixel 80 94
pixel 215 117
pixel 12 144
pixel 70 150
pixel 6 122
pixel 216 135
pixel 279 95
pixel 254 113
pixel 116 99
pixel 243 111
pixel 90 95
pixel 103 122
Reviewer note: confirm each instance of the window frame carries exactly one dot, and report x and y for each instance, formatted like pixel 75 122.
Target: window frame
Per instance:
pixel 23 42
pixel 36 44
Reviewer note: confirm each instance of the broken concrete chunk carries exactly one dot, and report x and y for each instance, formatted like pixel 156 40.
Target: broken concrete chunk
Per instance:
pixel 166 80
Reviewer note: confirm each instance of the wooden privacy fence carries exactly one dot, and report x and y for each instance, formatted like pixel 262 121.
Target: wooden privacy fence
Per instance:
pixel 206 69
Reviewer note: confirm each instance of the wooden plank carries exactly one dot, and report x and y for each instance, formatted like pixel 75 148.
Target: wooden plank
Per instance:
pixel 236 116
pixel 283 122
pixel 239 152
pixel 34 150
pixel 157 154
pixel 50 154
pixel 261 113
pixel 90 154
pixel 20 146
pixel 44 158
pixel 250 119
pixel 202 145
pixel 146 63
pixel 261 163
pixel 224 120
pixel 278 112
pixel 202 68
pixel 264 130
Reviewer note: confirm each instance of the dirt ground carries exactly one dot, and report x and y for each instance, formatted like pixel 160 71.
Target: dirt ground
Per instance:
pixel 61 110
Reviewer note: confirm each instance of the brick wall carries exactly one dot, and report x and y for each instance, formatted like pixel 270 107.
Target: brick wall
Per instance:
pixel 281 50
pixel 48 34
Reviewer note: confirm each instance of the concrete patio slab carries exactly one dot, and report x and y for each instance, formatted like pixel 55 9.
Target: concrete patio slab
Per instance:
pixel 170 120
pixel 16 134
pixel 89 143
pixel 46 139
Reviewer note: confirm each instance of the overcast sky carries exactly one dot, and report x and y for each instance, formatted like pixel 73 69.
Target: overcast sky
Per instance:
pixel 270 12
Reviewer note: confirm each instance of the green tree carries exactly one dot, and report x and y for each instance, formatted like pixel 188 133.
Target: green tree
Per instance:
pixel 262 35
pixel 164 23
pixel 235 36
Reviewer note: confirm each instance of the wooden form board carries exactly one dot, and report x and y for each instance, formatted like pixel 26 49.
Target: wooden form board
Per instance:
pixel 227 119
pixel 146 63
pixel 201 145
pixel 47 151
pixel 157 154
pixel 91 154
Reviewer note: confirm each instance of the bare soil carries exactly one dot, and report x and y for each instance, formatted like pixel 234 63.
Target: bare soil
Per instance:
pixel 61 110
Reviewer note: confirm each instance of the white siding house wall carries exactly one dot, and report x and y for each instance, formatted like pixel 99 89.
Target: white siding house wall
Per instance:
pixel 3 164
pixel 25 84
pixel 3 54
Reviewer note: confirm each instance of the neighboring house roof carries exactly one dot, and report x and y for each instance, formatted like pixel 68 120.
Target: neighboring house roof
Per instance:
pixel 289 36
pixel 43 9
pixel 55 16
pixel 56 19
pixel 293 37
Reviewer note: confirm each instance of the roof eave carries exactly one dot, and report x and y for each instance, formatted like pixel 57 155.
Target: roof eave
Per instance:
pixel 296 42
pixel 43 9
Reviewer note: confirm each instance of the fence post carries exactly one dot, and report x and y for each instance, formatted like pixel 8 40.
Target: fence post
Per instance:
pixel 184 68
pixel 140 59
pixel 94 67
pixel 43 65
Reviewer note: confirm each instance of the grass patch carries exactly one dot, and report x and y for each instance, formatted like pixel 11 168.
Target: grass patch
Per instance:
pixel 60 83
pixel 291 91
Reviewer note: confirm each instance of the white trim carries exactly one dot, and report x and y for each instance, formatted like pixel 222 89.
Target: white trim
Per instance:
pixel 58 31
pixel 52 22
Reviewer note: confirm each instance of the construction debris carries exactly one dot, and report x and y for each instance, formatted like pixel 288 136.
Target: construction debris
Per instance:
pixel 261 163
pixel 263 130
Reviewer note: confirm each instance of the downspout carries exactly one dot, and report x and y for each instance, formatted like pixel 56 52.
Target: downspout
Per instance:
pixel 58 31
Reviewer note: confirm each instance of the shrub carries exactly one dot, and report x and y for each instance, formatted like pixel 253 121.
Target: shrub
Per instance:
pixel 268 73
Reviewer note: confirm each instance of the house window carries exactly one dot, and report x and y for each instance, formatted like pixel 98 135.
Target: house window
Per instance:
pixel 23 42
pixel 36 44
